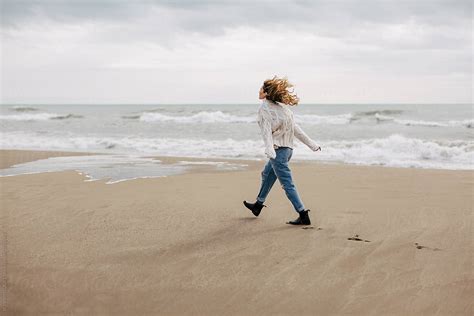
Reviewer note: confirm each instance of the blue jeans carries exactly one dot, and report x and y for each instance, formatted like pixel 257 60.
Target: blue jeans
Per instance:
pixel 278 168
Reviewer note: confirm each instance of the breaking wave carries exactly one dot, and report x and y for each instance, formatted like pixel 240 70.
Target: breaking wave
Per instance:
pixel 221 117
pixel 20 108
pixel 377 117
pixel 395 150
pixel 451 123
pixel 38 116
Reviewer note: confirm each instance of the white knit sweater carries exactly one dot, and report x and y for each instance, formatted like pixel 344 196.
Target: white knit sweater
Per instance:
pixel 278 127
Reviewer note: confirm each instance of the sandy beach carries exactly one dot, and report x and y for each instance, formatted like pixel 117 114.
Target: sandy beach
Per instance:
pixel 185 244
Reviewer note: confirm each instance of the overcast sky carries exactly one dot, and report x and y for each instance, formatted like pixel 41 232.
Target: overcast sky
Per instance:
pixel 401 51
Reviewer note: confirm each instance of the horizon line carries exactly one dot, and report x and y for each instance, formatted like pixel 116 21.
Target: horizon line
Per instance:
pixel 186 103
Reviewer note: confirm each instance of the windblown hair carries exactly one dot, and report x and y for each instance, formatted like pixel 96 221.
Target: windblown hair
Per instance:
pixel 277 91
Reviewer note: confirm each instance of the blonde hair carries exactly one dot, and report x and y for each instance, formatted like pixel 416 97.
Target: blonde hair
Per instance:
pixel 277 91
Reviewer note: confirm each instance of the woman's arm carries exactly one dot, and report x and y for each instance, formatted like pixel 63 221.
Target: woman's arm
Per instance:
pixel 266 129
pixel 301 135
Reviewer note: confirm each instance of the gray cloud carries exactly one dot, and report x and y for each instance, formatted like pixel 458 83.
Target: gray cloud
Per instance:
pixel 160 21
pixel 214 39
pixel 152 19
pixel 208 15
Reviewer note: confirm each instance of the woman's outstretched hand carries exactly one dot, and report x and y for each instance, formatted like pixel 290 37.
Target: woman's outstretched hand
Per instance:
pixel 315 147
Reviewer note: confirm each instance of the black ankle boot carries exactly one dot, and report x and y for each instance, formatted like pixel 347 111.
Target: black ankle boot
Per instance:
pixel 303 219
pixel 254 207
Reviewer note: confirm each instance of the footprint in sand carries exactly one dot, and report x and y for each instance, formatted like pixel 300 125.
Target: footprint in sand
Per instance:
pixel 418 246
pixel 356 238
pixel 311 227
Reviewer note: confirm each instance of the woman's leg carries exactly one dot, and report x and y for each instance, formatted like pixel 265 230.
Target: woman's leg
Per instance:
pixel 268 179
pixel 283 173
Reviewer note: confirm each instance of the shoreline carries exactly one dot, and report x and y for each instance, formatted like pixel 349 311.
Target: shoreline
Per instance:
pixel 10 157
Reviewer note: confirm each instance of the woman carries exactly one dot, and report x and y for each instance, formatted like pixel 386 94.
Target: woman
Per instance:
pixel 278 131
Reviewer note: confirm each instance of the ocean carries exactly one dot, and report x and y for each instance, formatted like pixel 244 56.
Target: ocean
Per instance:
pixel 436 136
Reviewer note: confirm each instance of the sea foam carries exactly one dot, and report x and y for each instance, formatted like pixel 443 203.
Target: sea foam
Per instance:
pixel 395 150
